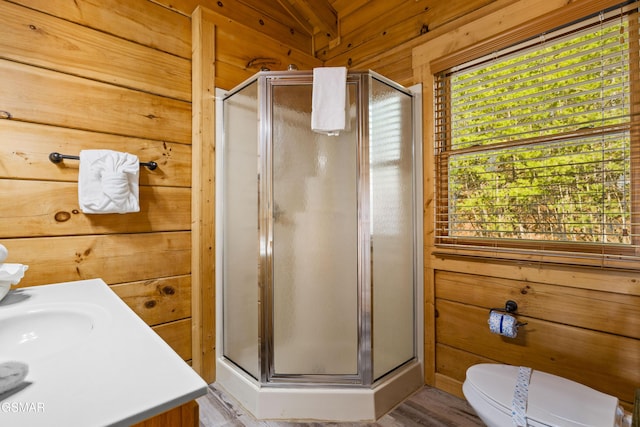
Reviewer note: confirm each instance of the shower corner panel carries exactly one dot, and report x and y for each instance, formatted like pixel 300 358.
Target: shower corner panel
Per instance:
pixel 296 327
pixel 389 393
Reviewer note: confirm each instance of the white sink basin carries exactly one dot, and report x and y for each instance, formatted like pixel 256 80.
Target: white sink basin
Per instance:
pixel 44 331
pixel 92 361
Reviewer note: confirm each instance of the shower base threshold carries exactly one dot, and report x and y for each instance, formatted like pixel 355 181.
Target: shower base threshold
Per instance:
pixel 333 404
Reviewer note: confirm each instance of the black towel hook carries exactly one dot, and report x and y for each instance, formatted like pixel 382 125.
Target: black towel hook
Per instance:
pixel 509 307
pixel 57 158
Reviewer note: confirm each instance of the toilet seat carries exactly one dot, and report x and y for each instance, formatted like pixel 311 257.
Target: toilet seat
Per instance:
pixel 553 401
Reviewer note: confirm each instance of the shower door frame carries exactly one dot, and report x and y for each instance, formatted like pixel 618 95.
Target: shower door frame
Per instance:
pixel 363 376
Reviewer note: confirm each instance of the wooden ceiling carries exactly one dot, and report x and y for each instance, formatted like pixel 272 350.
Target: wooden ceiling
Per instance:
pixel 343 32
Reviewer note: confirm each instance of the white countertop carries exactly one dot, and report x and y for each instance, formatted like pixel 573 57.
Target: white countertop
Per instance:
pixel 116 373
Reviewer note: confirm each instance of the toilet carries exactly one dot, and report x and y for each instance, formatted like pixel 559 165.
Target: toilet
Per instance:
pixel 551 400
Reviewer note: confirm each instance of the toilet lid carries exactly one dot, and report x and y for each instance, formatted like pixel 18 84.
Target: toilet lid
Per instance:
pixel 552 400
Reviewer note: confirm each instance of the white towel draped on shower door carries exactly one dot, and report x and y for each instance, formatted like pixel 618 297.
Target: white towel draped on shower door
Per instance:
pixel 330 101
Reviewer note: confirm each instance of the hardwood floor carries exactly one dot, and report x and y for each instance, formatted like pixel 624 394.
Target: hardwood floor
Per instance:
pixel 427 407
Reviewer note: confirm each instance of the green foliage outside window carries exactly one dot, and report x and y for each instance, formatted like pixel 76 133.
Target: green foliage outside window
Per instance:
pixel 538 144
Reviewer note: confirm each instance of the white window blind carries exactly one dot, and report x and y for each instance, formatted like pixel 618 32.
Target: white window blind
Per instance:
pixel 536 145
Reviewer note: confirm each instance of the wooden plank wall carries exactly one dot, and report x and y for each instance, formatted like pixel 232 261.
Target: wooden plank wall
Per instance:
pixel 583 321
pixel 380 35
pixel 371 35
pixel 247 40
pixel 110 74
pixel 117 74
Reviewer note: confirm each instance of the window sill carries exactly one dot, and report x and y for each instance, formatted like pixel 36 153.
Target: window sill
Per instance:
pixel 536 257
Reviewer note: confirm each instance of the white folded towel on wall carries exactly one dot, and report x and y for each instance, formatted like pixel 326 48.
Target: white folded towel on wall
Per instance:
pixel 330 101
pixel 108 182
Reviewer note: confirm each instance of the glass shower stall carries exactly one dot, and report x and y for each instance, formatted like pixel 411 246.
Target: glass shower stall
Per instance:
pixel 319 250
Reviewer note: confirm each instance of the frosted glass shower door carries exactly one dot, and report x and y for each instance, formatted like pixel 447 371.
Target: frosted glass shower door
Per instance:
pixel 315 236
pixel 240 236
pixel 392 227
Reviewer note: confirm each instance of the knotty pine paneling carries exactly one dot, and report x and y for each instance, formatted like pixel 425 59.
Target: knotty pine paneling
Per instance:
pixel 178 335
pixel 453 363
pixel 186 415
pixel 347 7
pixel 573 306
pixel 116 258
pixel 39 95
pixel 618 281
pixel 394 64
pixel 229 76
pixel 83 75
pixel 139 21
pixel 582 316
pixel 367 49
pixel 99 74
pixel 243 51
pixel 158 301
pixel 377 23
pixel 113 74
pixel 90 53
pixel 390 51
pixel 377 27
pixel 25 148
pixel 603 361
pixel 273 23
pixel 49 208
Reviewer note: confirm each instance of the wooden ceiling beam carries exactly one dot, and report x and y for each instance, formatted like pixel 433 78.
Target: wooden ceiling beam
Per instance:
pixel 299 17
pixel 315 15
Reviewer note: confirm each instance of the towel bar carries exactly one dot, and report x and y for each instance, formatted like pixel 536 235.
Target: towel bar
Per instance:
pixel 57 158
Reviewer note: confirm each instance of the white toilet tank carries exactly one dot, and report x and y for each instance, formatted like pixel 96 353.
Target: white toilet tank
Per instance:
pixel 552 400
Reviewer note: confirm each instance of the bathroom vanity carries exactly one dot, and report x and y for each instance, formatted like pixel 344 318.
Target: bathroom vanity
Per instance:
pixel 92 362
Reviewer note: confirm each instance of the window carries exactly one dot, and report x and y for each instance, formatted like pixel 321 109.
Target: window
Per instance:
pixel 536 145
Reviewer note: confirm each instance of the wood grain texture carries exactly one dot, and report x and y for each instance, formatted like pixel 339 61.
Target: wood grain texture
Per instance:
pixel 89 53
pixel 178 335
pixel 142 22
pixel 203 241
pixel 159 300
pixel 48 208
pixel 528 25
pixel 582 319
pixel 116 258
pixel 395 60
pixel 626 282
pixel 376 23
pixel 186 415
pixel 73 102
pixel 247 49
pixel 24 154
pixel 453 363
pixel 99 74
pixel 268 18
pixel 229 76
pixel 394 64
pixel 504 16
pixel 603 361
pixel 615 314
pixel 448 385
